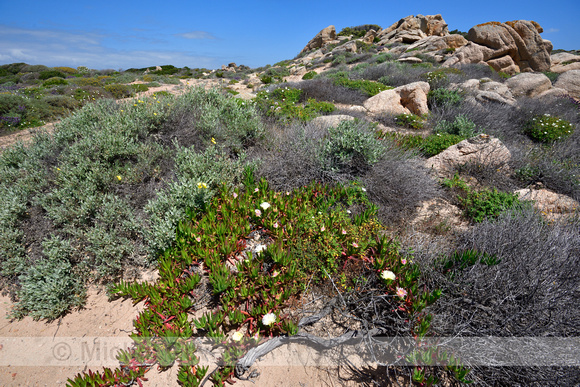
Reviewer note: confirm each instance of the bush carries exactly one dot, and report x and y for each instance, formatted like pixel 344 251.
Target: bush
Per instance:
pixel 481 205
pixel 547 129
pixel 47 74
pixel 54 82
pixel 437 143
pixel 309 75
pixel 119 91
pixel 461 126
pixel 139 87
pixel 283 104
pixel 358 31
pixel 410 120
pixel 442 97
pixel 324 89
pixel 531 293
pixel 350 147
pixel 370 88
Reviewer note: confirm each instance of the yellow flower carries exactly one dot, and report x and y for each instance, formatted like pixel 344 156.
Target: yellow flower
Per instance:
pixel 213 140
pixel 119 177
pixel 135 105
pixel 154 114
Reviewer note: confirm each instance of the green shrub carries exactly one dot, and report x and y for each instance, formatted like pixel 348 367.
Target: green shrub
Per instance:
pixel 410 121
pixel 480 205
pixel 309 75
pixel 44 75
pixel 283 103
pixel 438 78
pixel 349 146
pixel 66 70
pixel 50 287
pixel 54 82
pixel 444 97
pixel 437 143
pixel 461 126
pixel 370 88
pixel 547 128
pixel 139 87
pixel 119 91
pixel 87 81
pixel 358 31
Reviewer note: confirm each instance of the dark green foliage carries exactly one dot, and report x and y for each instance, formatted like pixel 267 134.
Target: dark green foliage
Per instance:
pixel 370 88
pixel 547 128
pixel 120 91
pixel 481 205
pixel 54 82
pixel 461 126
pixel 437 143
pixel 51 74
pixel 309 75
pixel 441 97
pixel 410 120
pixel 358 31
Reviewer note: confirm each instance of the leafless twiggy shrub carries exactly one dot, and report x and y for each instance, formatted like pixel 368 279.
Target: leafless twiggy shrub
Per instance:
pixel 532 292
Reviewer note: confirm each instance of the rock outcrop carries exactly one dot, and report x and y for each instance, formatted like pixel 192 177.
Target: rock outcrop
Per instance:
pixel 479 149
pixel 411 98
pixel 413 28
pixel 570 81
pixel 564 61
pixel 550 204
pixel 326 35
pixel 528 84
pixel 486 90
pixel 509 47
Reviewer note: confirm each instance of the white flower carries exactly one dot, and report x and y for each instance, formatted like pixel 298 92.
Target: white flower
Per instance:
pixel 269 319
pixel 348 211
pixel 258 213
pixel 364 189
pixel 388 275
pixel 260 248
pixel 237 336
pixel 265 205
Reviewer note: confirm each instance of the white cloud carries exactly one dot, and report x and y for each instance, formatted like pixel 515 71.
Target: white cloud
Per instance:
pixel 551 30
pixel 197 35
pixel 63 48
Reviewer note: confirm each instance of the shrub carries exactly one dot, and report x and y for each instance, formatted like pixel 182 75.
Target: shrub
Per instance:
pixel 139 87
pixel 480 205
pixel 547 129
pixel 50 288
pixel 325 89
pixel 44 75
pixel 309 75
pixel 461 126
pixel 283 104
pixel 410 120
pixel 370 88
pixel 351 146
pixel 438 78
pixel 437 143
pixel 66 70
pixel 530 293
pixel 358 31
pixel 442 97
pixel 119 91
pixel 54 82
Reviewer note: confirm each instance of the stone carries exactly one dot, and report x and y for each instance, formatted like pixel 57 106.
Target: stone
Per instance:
pixel 388 101
pixel 562 68
pixel 493 42
pixel 479 149
pixel 326 35
pixel 324 122
pixel 570 81
pixel 370 36
pixel 414 97
pixel 347 47
pixel 550 204
pixel 413 28
pixel 496 87
pixel 411 98
pixel 528 84
pixel 483 96
pixel 410 59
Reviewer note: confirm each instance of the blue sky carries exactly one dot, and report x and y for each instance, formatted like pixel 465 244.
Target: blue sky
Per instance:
pixel 123 34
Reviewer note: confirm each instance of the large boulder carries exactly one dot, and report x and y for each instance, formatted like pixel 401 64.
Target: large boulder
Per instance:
pixel 411 98
pixel 570 81
pixel 479 149
pixel 485 90
pixel 326 35
pixel 528 84
pixel 564 61
pixel 413 28
pixel 550 204
pixel 494 42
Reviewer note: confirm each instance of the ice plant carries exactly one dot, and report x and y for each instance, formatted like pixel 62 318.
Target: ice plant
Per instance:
pixel 235 195
pixel 404 261
pixel 388 275
pixel 237 336
pixel 258 213
pixel 402 293
pixel 269 319
pixel 322 229
pixel 276 225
